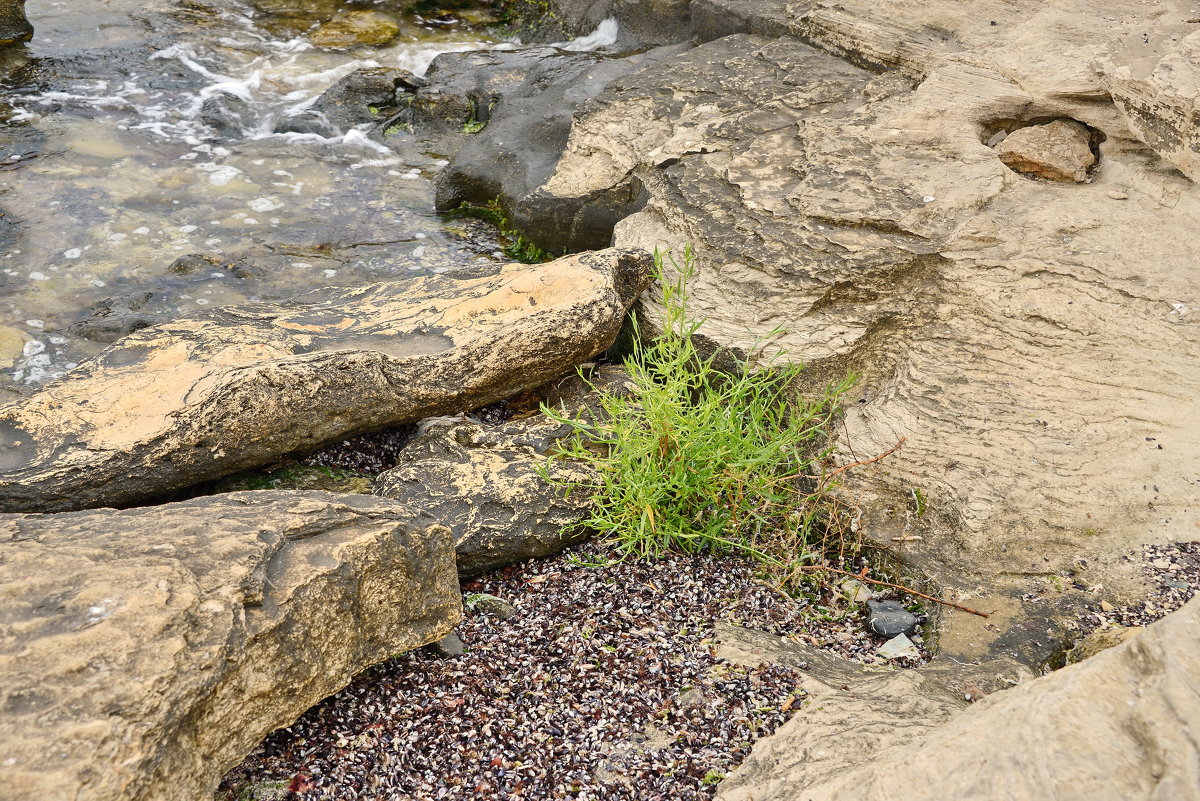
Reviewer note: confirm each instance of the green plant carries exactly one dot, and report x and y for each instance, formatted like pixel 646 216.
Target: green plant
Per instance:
pixel 515 244
pixel 697 459
pixel 473 126
pixel 714 776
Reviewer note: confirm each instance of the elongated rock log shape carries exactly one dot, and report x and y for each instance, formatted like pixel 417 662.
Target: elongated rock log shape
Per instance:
pixel 144 652
pixel 213 393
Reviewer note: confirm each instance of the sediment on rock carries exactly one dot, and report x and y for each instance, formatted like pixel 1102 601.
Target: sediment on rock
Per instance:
pixel 494 486
pixel 862 216
pixel 144 652
pixel 210 394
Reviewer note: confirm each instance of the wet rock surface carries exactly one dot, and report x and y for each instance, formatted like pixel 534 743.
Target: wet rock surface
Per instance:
pixel 355 28
pixel 1055 151
pixel 144 652
pixel 14 25
pixel 215 393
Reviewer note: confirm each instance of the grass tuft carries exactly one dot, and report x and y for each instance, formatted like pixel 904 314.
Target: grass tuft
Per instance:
pixel 697 459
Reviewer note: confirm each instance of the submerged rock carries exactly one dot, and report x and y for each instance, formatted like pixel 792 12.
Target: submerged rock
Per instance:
pixel 112 318
pixel 354 29
pixel 145 652
pixel 14 25
pixel 1057 151
pixel 217 392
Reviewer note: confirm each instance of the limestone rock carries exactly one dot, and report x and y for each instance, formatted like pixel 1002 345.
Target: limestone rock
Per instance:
pixel 145 652
pixel 1118 726
pixel 217 392
pixel 484 482
pixel 1057 151
pixel 350 101
pixel 1154 81
pixel 355 29
pixel 863 215
pixel 14 26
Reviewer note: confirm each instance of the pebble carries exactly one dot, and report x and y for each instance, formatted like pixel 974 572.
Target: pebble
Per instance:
pixel 890 618
pixel 602 684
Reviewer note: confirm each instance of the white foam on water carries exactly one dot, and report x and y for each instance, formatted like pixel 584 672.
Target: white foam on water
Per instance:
pixel 605 35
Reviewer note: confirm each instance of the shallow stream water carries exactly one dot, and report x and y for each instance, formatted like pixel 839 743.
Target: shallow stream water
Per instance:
pixel 110 171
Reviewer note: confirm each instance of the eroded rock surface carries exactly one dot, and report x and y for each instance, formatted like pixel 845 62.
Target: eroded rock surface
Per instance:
pixel 1033 343
pixel 1117 726
pixel 144 652
pixel 492 484
pixel 214 393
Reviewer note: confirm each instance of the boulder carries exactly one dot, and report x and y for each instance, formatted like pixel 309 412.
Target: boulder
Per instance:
pixel 14 25
pixel 1056 151
pixel 216 392
pixel 829 164
pixel 355 29
pixel 486 484
pixel 145 652
pixel 491 484
pixel 1120 725
pixel 526 100
pixel 349 102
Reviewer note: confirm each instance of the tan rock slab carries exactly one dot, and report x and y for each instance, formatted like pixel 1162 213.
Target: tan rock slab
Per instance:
pixel 145 652
pixel 217 392
pixel 1120 726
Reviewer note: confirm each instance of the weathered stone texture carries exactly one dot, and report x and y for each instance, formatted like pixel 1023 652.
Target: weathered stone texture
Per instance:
pixel 210 394
pixel 144 652
pixel 1119 726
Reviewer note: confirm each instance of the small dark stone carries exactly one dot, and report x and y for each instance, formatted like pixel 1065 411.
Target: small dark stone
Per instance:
pixel 308 122
pixel 890 619
pixel 449 647
pixel 195 263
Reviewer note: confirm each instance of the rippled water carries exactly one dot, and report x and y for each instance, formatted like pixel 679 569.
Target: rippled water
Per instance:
pixel 109 172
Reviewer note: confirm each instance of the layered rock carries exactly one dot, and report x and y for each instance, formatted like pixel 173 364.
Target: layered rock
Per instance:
pixel 144 652
pixel 495 486
pixel 1004 328
pixel 491 486
pixel 1117 726
pixel 213 393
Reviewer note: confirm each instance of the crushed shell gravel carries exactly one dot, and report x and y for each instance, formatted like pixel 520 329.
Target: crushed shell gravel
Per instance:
pixel 1172 573
pixel 603 685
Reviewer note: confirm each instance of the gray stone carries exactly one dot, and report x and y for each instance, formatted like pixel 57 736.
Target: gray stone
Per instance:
pixel 490 604
pixel 145 652
pixel 890 619
pixel 213 393
pixel 449 647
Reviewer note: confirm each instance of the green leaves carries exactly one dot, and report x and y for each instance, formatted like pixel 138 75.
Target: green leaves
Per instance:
pixel 700 459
